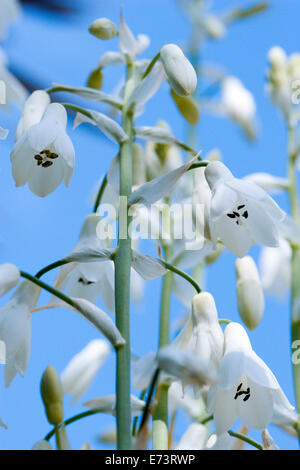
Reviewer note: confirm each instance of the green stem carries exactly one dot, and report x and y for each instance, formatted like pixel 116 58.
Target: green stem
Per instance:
pixel 182 274
pixel 100 194
pixel 71 420
pixel 122 279
pixel 51 289
pixel 160 416
pixel 57 438
pixel 149 399
pixel 295 285
pixel 151 65
pixel 247 439
pixel 51 266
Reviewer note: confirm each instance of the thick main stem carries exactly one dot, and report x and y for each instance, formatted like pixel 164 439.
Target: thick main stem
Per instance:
pixel 160 416
pixel 295 287
pixel 122 281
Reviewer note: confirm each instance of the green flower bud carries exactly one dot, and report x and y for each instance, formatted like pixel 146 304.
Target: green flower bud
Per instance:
pixel 103 29
pixel 187 107
pixel 95 79
pixel 52 395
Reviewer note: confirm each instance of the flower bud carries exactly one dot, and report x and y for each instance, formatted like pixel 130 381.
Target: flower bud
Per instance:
pixel 250 295
pixel 179 70
pixel 187 107
pixel 9 277
pixel 95 79
pixel 52 395
pixel 103 29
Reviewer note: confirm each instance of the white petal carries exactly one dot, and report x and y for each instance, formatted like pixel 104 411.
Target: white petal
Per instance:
pixel 91 94
pixel 45 180
pixel 261 226
pixel 127 42
pixel 143 370
pixel 108 126
pixel 194 438
pixel 235 237
pixel 256 413
pixel 258 371
pixel 224 411
pixel 9 277
pixel 98 318
pixel 23 163
pixel 148 86
pixel 158 188
pixel 149 268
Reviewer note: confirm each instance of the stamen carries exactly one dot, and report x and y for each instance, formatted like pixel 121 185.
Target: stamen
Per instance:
pixel 53 155
pixel 241 207
pixel 232 216
pixel 46 164
pixel 245 214
pixel 236 214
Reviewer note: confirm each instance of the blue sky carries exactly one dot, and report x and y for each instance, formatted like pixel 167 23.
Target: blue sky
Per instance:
pixel 35 231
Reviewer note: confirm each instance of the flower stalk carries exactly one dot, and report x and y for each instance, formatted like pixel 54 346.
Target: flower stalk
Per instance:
pixel 122 280
pixel 160 433
pixel 295 286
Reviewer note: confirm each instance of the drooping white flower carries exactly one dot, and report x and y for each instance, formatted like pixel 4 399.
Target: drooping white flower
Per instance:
pixel 275 267
pixel 78 375
pixel 15 329
pixel 130 46
pixel 44 155
pixel 239 104
pixel 90 280
pixel 241 213
pixel 107 405
pixel 250 296
pixel 246 388
pixel 9 277
pixel 9 13
pixel 15 93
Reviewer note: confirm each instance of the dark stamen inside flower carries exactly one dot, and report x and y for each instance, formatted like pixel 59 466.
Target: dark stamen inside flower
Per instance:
pixel 236 214
pixel 85 282
pixel 46 164
pixel 241 207
pixel 245 214
pixel 240 392
pixel 232 216
pixel 43 157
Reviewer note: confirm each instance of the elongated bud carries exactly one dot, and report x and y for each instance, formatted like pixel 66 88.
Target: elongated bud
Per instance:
pixel 179 70
pixel 250 295
pixel 103 28
pixel 187 107
pixel 95 79
pixel 52 395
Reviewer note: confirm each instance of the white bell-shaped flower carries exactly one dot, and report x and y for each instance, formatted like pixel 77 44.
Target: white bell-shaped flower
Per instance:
pixel 241 213
pixel 90 280
pixel 78 375
pixel 15 329
pixel 44 155
pixel 246 387
pixel 239 104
